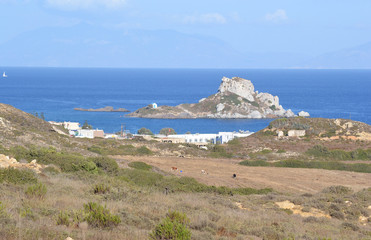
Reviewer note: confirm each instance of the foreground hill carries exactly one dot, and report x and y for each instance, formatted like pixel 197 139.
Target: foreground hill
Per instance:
pixel 236 98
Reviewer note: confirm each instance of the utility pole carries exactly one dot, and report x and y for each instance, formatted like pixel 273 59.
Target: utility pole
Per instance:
pixel 122 134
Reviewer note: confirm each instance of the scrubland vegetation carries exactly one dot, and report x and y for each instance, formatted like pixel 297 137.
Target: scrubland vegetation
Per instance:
pixel 85 194
pixel 131 204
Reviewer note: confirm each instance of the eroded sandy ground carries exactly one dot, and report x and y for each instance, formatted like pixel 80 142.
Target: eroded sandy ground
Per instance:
pixel 220 173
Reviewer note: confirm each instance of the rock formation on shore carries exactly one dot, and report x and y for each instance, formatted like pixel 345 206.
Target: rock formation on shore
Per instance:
pixel 236 98
pixel 105 109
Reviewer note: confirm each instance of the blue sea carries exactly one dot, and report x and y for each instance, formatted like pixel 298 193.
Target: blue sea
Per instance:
pixel 57 91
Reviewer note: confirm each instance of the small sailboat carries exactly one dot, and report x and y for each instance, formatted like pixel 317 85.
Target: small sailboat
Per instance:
pixel 4 75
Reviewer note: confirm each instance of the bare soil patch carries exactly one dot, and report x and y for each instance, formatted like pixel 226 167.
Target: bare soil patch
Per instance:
pixel 220 173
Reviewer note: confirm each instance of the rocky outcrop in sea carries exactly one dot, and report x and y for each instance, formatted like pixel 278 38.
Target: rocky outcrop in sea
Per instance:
pixel 236 98
pixel 105 109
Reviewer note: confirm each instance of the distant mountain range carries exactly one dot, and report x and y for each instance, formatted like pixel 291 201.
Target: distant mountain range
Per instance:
pixel 85 45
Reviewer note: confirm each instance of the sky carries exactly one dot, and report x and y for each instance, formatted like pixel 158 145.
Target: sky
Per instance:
pixel 305 28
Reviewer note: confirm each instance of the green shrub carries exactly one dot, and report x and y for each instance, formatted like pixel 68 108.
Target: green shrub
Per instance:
pixel 17 176
pixel 338 190
pixel 323 152
pixel 235 141
pixel 108 165
pixel 101 189
pixel 96 149
pixel 174 226
pixel 249 191
pixel 140 166
pixel 218 151
pixel 37 190
pixel 68 162
pixel 86 125
pixel 337 214
pixel 145 131
pixel 265 151
pixel 255 163
pixel 87 166
pixel 183 184
pixel 3 213
pixel 143 150
pixel 329 165
pixel 98 216
pixel 351 226
pixel 51 169
pixel 63 219
pixel 268 133
pixel 167 131
pixel 140 177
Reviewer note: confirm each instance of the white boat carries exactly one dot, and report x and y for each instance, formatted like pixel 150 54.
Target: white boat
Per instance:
pixel 4 75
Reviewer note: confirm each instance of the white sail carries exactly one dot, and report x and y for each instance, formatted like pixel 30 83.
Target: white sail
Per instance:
pixel 4 75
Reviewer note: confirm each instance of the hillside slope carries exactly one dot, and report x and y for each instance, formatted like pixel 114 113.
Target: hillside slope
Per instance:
pixel 18 128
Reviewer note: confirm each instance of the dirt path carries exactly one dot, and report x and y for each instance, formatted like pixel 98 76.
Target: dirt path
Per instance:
pixel 220 173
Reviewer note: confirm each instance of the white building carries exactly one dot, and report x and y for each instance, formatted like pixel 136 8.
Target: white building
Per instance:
pixel 73 126
pixel 154 105
pixel 220 138
pixel 85 133
pixel 89 133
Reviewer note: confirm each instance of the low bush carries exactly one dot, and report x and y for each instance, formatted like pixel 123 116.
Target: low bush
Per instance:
pixel 17 176
pixel 108 165
pixel 63 219
pixel 101 189
pixel 37 190
pixel 337 214
pixel 173 226
pixel 351 226
pixel 140 166
pixel 98 216
pixel 3 212
pixel 143 150
pixel 218 151
pixel 338 190
pixel 167 131
pixel 323 152
pixel 151 179
pixel 235 141
pixel 145 131
pixel 68 162
pixel 329 165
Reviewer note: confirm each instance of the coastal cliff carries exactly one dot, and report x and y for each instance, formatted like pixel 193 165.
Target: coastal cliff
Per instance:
pixel 236 98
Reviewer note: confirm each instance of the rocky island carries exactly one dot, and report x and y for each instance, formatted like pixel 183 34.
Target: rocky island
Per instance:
pixel 236 98
pixel 105 109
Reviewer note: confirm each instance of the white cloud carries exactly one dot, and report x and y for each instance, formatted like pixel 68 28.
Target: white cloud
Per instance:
pixel 85 4
pixel 278 16
pixel 205 18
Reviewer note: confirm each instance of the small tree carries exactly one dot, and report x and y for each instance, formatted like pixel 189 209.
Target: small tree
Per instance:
pixel 145 131
pixel 42 116
pixel 167 131
pixel 86 125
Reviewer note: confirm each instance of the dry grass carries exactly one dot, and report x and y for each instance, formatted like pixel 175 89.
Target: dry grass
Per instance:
pixel 212 216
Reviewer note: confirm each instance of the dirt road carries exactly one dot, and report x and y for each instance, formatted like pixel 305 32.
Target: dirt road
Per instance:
pixel 220 173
